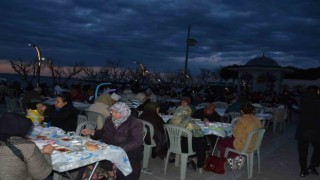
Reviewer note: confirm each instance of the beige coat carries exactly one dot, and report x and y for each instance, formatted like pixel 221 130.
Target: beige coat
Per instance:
pixel 36 165
pixel 102 109
pixel 244 125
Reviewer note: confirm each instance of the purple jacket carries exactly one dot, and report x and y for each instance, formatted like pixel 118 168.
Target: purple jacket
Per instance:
pixel 128 136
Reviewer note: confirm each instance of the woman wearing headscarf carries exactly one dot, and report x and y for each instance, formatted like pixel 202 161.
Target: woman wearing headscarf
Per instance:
pixel 21 158
pixel 101 105
pixel 182 117
pixel 124 131
pixel 63 114
pixel 150 114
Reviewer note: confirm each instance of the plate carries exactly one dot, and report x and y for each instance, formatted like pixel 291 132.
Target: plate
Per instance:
pixel 65 139
pixel 62 149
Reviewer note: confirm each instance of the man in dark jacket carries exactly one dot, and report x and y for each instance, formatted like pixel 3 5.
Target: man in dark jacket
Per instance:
pixel 308 131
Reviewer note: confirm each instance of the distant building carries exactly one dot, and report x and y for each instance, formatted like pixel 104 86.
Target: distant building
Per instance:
pixel 260 74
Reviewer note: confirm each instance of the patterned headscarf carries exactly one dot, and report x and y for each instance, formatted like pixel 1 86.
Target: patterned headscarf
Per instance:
pixel 123 109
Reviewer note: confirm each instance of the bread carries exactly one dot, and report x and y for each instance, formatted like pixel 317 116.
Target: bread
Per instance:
pixel 91 146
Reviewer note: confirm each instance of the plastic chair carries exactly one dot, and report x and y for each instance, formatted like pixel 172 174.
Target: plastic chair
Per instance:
pixel 17 105
pixel 232 115
pixel 9 104
pixel 95 116
pixel 85 125
pixel 81 118
pixel 279 116
pixel 250 155
pixel 174 133
pixel 147 147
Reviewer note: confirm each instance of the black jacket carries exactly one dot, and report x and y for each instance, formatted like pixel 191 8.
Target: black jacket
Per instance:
pixel 65 118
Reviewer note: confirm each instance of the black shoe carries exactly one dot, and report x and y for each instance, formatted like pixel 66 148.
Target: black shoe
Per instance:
pixel 304 173
pixel 313 171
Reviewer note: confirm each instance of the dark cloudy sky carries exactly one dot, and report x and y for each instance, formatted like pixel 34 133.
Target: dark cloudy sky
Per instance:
pixel 154 32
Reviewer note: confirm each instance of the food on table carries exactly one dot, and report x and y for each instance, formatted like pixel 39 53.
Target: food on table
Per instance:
pixel 91 146
pixel 62 149
pixel 42 137
pixel 65 139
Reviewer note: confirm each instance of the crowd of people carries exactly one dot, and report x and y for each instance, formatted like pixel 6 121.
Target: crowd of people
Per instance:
pixel 123 108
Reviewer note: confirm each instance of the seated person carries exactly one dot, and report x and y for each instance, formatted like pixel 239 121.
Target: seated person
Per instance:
pixel 123 130
pixel 20 157
pixel 208 114
pixel 150 114
pixel 63 114
pixel 181 117
pixel 101 105
pixel 243 126
pixel 35 112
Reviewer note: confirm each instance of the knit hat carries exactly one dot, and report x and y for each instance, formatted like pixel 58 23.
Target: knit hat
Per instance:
pixel 115 96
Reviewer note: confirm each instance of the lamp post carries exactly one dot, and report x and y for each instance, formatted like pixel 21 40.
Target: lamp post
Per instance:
pixel 39 61
pixel 190 42
pixel 143 71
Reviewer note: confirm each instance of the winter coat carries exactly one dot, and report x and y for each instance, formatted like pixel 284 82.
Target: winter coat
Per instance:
pixel 308 127
pixel 65 118
pixel 243 126
pixel 129 136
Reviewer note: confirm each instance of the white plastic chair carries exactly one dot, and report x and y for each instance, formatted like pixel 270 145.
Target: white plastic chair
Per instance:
pixel 81 118
pixel 85 125
pixel 9 104
pixel 147 147
pixel 175 133
pixel 232 115
pixel 279 116
pixel 95 116
pixel 17 105
pixel 250 155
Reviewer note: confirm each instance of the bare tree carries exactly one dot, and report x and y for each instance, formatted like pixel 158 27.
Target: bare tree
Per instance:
pixel 96 75
pixel 66 72
pixel 26 70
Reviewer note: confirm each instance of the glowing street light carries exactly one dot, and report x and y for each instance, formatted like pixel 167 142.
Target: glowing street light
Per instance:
pixel 39 61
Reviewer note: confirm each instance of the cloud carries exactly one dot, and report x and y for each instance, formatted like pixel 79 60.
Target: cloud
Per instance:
pixel 154 32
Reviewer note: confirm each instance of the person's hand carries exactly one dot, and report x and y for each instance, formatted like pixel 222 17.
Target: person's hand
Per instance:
pixel 87 132
pixel 48 149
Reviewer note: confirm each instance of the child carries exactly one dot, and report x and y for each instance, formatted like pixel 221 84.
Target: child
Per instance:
pixel 35 112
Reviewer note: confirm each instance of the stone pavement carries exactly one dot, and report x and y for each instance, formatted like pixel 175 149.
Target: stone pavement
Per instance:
pixel 279 160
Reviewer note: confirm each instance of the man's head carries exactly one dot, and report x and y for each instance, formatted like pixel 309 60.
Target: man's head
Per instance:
pixel 209 109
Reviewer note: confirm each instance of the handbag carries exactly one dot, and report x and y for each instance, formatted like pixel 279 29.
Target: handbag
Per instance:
pixel 215 164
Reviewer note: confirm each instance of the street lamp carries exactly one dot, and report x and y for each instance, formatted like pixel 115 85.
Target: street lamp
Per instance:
pixel 143 71
pixel 39 61
pixel 190 42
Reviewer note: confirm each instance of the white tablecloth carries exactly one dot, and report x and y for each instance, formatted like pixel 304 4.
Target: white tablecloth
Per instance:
pixel 216 128
pixel 79 156
pixel 220 111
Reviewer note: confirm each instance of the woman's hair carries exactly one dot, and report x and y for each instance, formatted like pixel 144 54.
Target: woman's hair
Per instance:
pixel 13 124
pixel 66 97
pixel 247 108
pixel 151 107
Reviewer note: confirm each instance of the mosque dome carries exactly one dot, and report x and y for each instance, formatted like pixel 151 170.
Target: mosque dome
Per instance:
pixel 262 61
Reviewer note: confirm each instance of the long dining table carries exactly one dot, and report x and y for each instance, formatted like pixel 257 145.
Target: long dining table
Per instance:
pixel 71 153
